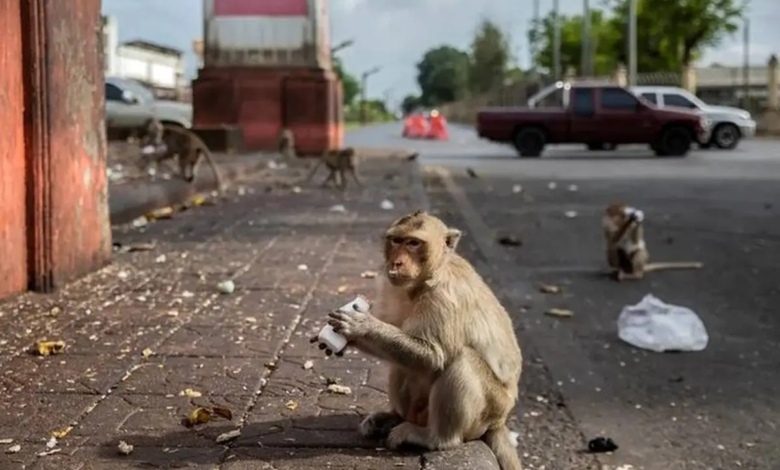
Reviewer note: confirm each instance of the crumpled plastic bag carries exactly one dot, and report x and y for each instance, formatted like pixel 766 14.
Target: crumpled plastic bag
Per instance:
pixel 657 326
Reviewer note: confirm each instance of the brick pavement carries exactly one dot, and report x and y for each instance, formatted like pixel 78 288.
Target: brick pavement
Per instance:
pixel 153 324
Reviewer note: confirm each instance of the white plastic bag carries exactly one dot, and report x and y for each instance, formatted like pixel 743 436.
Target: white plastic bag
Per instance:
pixel 655 325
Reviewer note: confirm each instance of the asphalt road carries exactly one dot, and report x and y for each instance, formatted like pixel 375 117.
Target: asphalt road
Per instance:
pixel 715 409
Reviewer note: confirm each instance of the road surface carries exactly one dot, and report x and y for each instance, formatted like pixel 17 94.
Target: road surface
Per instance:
pixel 715 409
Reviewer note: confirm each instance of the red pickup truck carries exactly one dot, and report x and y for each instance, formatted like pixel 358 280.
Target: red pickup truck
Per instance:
pixel 598 115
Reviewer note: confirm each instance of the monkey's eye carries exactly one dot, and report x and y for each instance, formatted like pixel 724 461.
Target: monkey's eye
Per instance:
pixel 413 243
pixel 395 240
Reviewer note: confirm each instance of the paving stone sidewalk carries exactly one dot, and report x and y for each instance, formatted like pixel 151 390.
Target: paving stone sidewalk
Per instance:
pixel 152 324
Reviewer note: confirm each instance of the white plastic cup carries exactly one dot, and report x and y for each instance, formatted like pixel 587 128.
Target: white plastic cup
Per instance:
pixel 334 341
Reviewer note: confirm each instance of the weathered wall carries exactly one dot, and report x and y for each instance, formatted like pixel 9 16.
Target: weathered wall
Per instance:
pixel 13 223
pixel 66 144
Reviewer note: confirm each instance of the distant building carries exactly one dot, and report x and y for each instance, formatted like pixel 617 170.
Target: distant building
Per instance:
pixel 159 67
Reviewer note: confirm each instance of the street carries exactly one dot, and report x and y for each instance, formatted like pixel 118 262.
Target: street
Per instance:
pixel 713 409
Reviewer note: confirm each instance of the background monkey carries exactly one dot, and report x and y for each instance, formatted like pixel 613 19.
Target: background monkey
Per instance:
pixel 627 254
pixel 172 142
pixel 338 162
pixel 287 144
pixel 454 360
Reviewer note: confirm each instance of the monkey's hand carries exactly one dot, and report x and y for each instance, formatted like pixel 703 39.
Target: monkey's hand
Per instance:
pixel 352 325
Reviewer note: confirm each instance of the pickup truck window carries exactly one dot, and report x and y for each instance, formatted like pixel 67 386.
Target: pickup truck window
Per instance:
pixel 678 101
pixel 650 97
pixel 113 93
pixel 582 102
pixel 617 98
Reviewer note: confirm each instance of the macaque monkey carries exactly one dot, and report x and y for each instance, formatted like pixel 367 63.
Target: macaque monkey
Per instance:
pixel 338 162
pixel 170 142
pixel 627 254
pixel 287 144
pixel 454 360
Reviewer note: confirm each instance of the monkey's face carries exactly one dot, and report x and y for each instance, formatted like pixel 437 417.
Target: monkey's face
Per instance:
pixel 404 259
pixel 614 217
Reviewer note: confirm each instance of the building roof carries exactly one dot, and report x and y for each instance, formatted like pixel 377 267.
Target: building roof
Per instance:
pixel 148 45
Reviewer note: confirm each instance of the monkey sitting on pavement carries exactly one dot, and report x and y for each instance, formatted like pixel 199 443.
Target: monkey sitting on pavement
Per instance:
pixel 287 144
pixel 627 254
pixel 454 360
pixel 165 143
pixel 338 162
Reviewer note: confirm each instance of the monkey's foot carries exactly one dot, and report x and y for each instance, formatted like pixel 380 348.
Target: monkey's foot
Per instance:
pixel 407 433
pixel 378 425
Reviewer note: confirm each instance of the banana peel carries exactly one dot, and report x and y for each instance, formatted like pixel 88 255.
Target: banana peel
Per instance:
pixel 49 348
pixel 203 415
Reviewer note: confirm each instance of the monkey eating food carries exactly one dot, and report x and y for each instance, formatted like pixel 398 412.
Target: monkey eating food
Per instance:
pixel 338 162
pixel 454 360
pixel 627 254
pixel 162 143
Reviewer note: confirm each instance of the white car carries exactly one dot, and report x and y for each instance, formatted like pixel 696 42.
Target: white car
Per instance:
pixel 729 125
pixel 129 105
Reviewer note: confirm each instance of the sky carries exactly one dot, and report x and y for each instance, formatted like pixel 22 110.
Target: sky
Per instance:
pixel 393 34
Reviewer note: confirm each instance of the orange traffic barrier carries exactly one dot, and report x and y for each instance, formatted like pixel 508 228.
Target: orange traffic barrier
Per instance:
pixel 415 126
pixel 438 129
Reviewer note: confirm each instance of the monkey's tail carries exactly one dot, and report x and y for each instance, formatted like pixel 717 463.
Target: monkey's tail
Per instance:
pixel 673 265
pixel 500 443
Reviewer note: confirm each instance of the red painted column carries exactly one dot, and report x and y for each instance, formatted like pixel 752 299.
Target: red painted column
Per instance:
pixel 68 224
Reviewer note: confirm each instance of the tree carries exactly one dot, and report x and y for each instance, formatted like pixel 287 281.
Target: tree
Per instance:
pixel 410 103
pixel 674 33
pixel 350 84
pixel 490 57
pixel 603 39
pixel 442 75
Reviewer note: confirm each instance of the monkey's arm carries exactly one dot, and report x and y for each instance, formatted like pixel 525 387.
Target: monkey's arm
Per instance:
pixel 388 342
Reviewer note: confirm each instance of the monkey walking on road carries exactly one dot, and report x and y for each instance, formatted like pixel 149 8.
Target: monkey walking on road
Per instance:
pixel 338 162
pixel 287 144
pixel 626 250
pixel 454 359
pixel 168 142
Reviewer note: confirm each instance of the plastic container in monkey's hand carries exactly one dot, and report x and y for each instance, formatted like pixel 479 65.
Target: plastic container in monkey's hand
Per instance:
pixel 333 342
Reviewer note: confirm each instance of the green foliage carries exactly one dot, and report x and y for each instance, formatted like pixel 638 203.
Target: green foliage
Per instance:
pixel 604 37
pixel 410 103
pixel 376 111
pixel 350 84
pixel 442 75
pixel 490 57
pixel 670 34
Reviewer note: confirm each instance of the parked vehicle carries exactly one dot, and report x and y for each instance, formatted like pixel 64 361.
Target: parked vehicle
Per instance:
pixel 596 115
pixel 129 104
pixel 729 125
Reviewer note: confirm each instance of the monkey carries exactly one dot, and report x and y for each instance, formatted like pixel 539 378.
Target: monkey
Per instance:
pixel 338 162
pixel 287 144
pixel 455 362
pixel 175 141
pixel 627 254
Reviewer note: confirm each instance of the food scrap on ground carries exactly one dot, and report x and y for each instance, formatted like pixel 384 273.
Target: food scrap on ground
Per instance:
pixel 50 348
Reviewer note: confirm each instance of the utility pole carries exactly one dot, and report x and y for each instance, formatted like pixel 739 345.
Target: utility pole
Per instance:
pixel 363 87
pixel 632 6
pixel 556 41
pixel 533 46
pixel 585 56
pixel 746 64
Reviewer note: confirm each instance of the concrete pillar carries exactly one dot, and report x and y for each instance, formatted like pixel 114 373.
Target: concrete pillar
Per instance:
pixel 688 81
pixel 54 224
pixel 621 75
pixel 772 83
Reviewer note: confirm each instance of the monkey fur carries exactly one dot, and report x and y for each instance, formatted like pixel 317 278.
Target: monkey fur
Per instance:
pixel 177 142
pixel 627 254
pixel 338 162
pixel 455 362
pixel 287 144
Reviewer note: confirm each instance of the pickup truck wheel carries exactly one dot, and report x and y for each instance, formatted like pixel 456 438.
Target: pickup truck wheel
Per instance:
pixel 675 142
pixel 530 142
pixel 726 136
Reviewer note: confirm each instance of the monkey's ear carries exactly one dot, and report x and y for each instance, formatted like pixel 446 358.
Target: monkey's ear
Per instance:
pixel 452 238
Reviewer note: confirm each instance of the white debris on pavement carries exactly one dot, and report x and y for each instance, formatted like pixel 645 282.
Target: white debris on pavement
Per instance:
pixel 387 205
pixel 657 326
pixel 226 287
pixel 228 436
pixel 338 208
pixel 517 189
pixel 570 214
pixel 124 448
pixel 552 185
